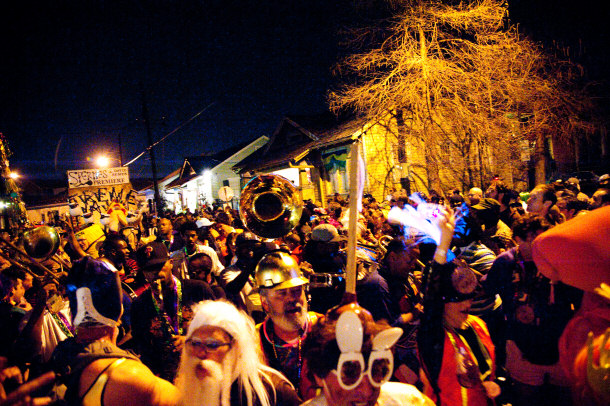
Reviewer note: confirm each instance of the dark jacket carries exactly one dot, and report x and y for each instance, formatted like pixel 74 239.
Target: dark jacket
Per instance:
pixel 152 334
pixel 285 395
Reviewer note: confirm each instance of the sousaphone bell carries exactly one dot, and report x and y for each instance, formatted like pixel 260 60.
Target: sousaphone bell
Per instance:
pixel 41 243
pixel 270 206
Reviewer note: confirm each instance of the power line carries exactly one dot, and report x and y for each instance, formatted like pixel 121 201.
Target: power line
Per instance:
pixel 170 133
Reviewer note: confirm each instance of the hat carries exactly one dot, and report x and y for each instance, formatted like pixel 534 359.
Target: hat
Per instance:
pixel 204 222
pixel 524 196
pixel 152 254
pixel 278 270
pixel 326 233
pixel 94 290
pixel 487 203
pixel 245 237
pixel 584 261
pixel 458 285
pixel 488 211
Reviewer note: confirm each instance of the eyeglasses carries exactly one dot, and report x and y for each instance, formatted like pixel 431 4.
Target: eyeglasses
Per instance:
pixel 351 365
pixel 208 346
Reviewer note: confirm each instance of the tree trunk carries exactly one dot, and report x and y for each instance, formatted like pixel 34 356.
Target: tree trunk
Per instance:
pixel 481 172
pixel 540 163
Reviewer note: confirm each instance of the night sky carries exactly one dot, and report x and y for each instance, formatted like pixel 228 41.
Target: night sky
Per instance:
pixel 72 72
pixel 75 71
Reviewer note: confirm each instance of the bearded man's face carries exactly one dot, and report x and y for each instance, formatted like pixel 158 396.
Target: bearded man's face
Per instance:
pixel 287 308
pixel 207 368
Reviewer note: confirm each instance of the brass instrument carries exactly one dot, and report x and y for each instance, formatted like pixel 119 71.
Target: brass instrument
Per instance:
pixel 326 280
pixel 269 206
pixel 383 242
pixel 43 243
pixel 39 244
pixel 368 258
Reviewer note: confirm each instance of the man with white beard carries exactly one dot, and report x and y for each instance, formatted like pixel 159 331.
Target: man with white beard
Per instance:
pixel 220 363
pixel 283 292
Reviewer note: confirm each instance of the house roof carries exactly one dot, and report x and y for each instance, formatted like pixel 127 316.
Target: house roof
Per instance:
pixel 45 200
pixel 194 166
pixel 313 133
pixel 197 164
pixel 181 181
pixel 225 154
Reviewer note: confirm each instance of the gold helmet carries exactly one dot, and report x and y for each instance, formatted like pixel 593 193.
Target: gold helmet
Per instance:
pixel 278 270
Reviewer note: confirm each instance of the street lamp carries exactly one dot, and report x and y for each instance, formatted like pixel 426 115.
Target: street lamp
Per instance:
pixel 102 161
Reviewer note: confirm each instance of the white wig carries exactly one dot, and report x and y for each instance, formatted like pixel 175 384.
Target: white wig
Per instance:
pixel 249 368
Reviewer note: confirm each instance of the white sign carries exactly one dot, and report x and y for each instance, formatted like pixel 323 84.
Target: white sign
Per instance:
pixel 225 193
pixel 98 177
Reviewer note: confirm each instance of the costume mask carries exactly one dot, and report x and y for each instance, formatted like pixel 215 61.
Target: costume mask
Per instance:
pixel 350 367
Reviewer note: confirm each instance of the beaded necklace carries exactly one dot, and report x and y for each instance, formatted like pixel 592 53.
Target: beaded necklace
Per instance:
pixel 175 325
pixel 300 359
pixel 195 251
pixel 62 322
pixel 271 338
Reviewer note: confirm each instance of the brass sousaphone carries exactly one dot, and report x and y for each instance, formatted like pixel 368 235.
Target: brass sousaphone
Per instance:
pixel 39 245
pixel 270 206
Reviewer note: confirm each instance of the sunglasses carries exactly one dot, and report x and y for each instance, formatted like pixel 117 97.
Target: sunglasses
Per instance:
pixel 208 346
pixel 350 367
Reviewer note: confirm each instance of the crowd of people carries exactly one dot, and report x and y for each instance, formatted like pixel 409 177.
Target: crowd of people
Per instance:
pixel 508 304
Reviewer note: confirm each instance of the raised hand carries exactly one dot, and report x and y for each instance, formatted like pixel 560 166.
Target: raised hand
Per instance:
pixel 446 224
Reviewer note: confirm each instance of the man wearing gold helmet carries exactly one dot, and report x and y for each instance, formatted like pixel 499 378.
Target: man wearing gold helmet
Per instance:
pixel 283 293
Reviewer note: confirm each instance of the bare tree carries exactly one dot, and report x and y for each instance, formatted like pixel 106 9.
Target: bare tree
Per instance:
pixel 465 86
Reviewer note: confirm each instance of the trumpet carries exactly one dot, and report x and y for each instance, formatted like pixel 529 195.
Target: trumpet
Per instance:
pixel 39 244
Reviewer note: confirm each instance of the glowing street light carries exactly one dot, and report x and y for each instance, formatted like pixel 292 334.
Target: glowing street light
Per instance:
pixel 14 175
pixel 102 161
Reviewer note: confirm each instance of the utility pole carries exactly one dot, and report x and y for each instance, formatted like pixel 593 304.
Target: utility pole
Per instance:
pixel 120 150
pixel 151 152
